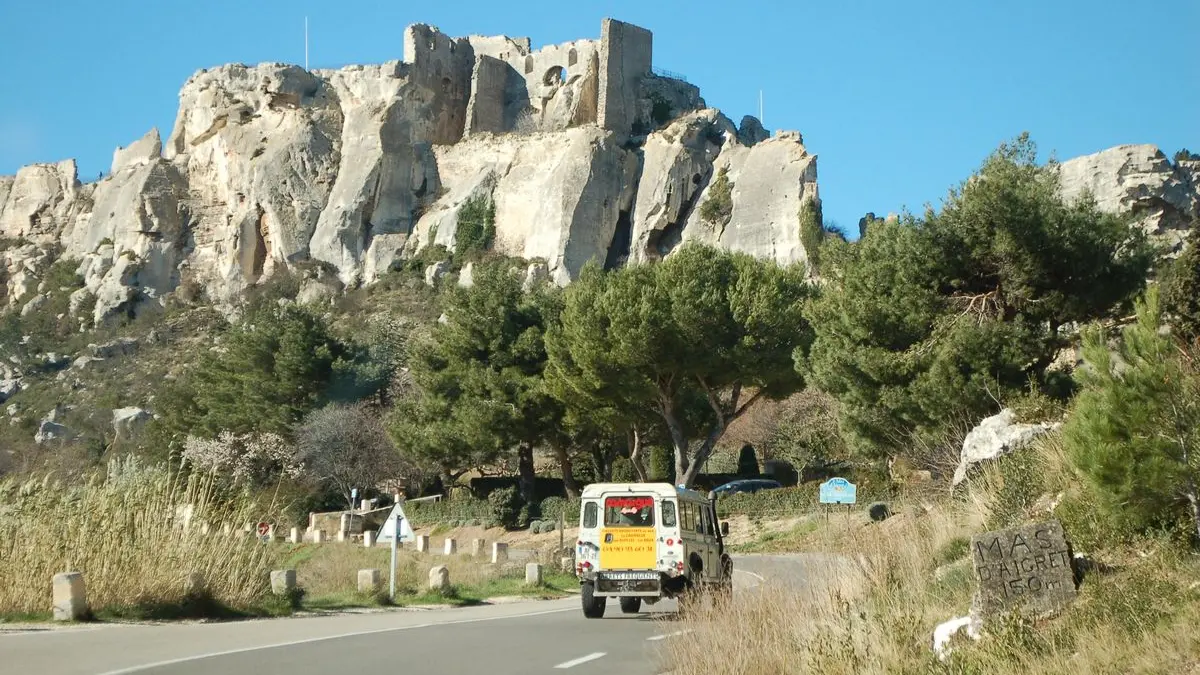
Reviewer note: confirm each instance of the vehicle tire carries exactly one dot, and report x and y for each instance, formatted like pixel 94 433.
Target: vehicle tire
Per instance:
pixel 593 607
pixel 630 605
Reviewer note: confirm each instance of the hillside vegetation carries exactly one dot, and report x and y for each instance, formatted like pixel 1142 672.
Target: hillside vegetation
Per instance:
pixel 482 368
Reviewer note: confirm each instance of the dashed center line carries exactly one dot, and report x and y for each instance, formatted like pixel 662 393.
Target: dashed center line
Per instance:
pixel 663 637
pixel 583 659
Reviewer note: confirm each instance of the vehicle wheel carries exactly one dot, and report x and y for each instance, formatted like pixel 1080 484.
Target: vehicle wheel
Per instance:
pixel 630 605
pixel 593 607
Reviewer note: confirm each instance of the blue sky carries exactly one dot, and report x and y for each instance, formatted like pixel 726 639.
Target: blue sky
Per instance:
pixel 899 101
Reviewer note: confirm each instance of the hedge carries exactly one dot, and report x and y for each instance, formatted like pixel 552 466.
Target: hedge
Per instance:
pixel 449 510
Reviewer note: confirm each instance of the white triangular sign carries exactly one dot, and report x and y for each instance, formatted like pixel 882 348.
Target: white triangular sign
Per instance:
pixel 389 527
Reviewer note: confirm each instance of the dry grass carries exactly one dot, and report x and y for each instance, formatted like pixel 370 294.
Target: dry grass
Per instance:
pixel 122 532
pixel 915 574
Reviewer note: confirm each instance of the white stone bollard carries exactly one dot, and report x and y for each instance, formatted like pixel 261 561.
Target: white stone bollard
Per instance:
pixel 451 546
pixel 422 543
pixel 341 536
pixel 318 536
pixel 368 539
pixel 204 529
pixel 533 574
pixel 296 536
pixel 439 579
pixel 499 552
pixel 70 596
pixel 368 581
pixel 567 564
pixel 283 581
pixel 478 548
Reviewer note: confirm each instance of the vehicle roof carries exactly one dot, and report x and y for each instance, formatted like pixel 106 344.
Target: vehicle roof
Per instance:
pixel 656 489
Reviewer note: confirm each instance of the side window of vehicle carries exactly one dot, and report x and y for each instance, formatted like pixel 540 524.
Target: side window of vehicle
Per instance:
pixel 590 511
pixel 688 515
pixel 709 521
pixel 702 521
pixel 668 514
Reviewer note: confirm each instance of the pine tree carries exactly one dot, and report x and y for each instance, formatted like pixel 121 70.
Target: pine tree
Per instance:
pixel 1135 427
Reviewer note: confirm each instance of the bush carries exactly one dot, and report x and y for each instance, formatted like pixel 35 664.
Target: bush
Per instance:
pixel 476 227
pixel 662 464
pixel 778 502
pixel 463 509
pixel 717 208
pixel 507 508
pixel 747 462
pixel 622 471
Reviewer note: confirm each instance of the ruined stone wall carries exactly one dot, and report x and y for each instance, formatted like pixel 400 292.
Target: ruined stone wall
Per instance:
pixel 626 53
pixel 443 66
pixel 489 83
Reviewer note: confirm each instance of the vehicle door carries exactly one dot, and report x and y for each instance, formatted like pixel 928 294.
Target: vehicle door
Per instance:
pixel 712 564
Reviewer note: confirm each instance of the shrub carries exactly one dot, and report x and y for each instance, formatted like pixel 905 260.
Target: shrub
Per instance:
pixel 717 208
pixel 476 227
pixel 747 462
pixel 430 513
pixel 622 471
pixel 506 507
pixel 662 464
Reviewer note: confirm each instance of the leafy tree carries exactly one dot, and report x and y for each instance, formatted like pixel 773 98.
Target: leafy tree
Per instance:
pixel 1135 428
pixel 702 324
pixel 806 432
pixel 1183 155
pixel 264 374
pixel 1181 286
pixel 346 446
pixel 479 374
pixel 924 320
pixel 662 464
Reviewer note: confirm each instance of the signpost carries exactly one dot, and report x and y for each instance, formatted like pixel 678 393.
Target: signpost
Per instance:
pixel 838 491
pixel 394 530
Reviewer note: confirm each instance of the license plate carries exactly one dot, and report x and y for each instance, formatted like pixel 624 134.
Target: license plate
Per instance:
pixel 630 576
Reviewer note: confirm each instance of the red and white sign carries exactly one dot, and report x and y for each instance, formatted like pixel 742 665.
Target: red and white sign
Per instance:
pixel 264 529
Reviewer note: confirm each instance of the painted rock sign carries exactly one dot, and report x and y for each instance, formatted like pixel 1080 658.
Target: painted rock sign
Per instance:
pixel 1025 569
pixel 838 491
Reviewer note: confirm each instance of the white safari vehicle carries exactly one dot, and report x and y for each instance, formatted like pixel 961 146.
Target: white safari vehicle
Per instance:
pixel 641 542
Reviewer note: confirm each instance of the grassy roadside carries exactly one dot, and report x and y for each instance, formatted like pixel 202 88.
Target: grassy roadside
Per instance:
pixel 914 573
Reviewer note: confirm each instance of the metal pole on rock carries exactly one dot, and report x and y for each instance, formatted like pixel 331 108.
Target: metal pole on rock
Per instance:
pixel 395 543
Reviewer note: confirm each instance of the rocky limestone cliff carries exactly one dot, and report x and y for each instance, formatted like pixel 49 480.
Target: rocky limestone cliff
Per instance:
pixel 1163 196
pixel 585 152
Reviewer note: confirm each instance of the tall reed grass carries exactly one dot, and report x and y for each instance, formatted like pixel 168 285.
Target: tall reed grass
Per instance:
pixel 124 530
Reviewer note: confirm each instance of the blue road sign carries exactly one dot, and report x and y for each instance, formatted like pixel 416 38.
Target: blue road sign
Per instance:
pixel 838 491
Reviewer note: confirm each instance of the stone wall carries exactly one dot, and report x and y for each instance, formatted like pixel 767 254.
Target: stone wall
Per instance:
pixel 442 65
pixel 626 53
pixel 489 84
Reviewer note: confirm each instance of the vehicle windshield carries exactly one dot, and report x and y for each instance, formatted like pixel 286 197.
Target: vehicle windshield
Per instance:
pixel 629 512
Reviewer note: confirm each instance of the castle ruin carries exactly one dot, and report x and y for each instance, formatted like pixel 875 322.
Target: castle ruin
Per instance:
pixel 500 85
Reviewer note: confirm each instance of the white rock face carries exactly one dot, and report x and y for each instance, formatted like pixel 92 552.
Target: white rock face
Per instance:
pixel 41 202
pixel 770 181
pixel 259 148
pixel 1141 180
pixel 997 435
pixel 144 150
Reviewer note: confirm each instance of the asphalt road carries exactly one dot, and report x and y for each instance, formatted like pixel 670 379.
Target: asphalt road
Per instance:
pixel 503 639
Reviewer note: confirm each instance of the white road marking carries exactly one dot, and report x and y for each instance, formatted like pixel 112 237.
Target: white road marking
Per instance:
pixel 159 664
pixel 582 659
pixel 663 637
pixel 756 576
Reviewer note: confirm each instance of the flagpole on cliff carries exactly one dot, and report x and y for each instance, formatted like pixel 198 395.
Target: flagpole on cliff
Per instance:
pixel 760 112
pixel 306 43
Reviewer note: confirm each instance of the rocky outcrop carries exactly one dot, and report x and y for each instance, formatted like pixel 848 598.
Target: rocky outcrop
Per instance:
pixel 995 436
pixel 127 422
pixel 1163 196
pixel 42 202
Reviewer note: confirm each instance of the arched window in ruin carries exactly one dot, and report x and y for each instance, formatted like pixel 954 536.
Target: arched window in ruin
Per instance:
pixel 528 64
pixel 572 57
pixel 555 76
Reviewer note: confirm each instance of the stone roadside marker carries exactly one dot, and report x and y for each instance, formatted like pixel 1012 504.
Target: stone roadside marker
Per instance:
pixel 499 552
pixel 70 596
pixel 193 583
pixel 422 543
pixel 318 536
pixel 1024 569
pixel 533 574
pixel 439 579
pixel 369 581
pixel 478 548
pixel 296 536
pixel 368 539
pixel 451 546
pixel 283 581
